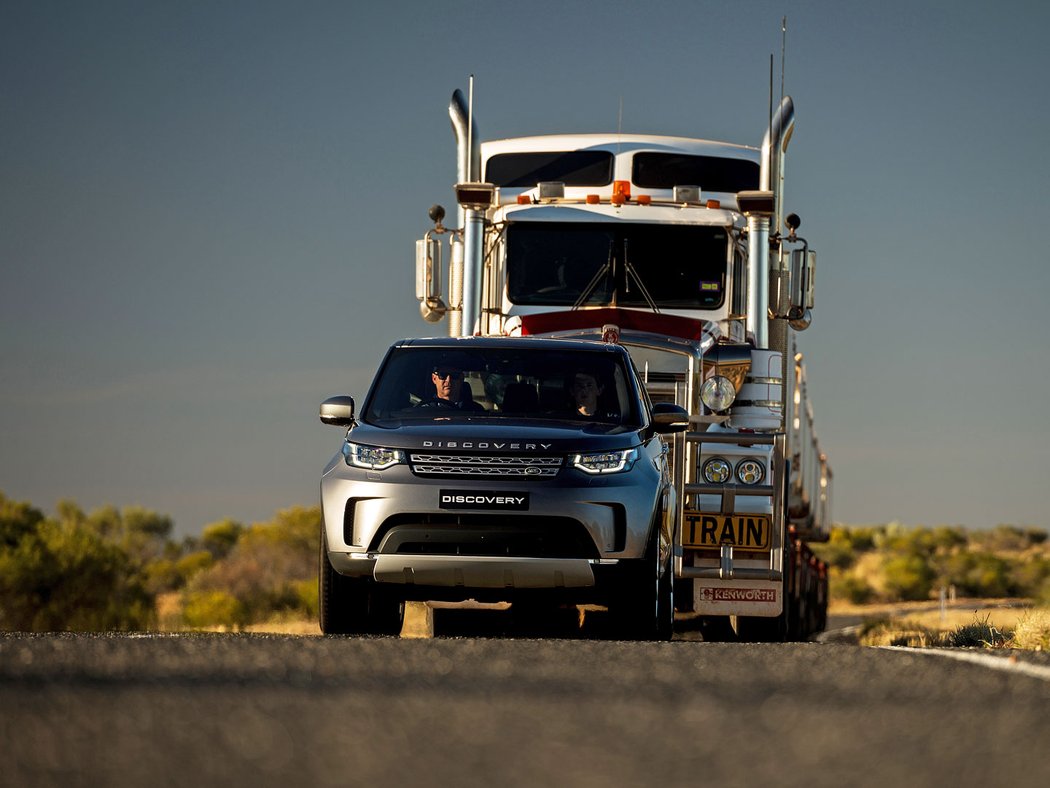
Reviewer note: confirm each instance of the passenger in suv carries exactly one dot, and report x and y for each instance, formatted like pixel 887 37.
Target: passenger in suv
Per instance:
pixel 585 393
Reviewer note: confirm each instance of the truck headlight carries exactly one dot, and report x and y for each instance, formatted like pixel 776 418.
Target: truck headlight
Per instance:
pixel 716 470
pixel 605 461
pixel 717 393
pixel 750 471
pixel 374 458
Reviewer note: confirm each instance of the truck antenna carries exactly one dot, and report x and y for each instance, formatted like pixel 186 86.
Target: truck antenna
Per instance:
pixel 770 126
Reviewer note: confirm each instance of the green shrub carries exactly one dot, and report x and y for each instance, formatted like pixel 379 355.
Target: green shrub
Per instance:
pixel 219 538
pixel 979 634
pixel 907 577
pixel 978 574
pixel 63 576
pixel 193 564
pixel 269 567
pixel 213 609
pixel 1009 538
pixel 851 587
pixel 306 593
pixel 17 518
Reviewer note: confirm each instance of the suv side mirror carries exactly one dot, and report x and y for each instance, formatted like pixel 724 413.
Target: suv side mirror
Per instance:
pixel 668 417
pixel 338 411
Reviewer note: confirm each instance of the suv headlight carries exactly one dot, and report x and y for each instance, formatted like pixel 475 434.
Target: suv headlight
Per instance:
pixel 374 458
pixel 605 461
pixel 717 393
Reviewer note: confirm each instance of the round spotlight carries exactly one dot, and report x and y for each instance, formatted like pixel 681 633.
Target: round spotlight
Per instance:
pixel 716 470
pixel 717 393
pixel 750 471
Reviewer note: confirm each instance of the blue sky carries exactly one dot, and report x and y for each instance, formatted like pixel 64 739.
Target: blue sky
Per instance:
pixel 208 213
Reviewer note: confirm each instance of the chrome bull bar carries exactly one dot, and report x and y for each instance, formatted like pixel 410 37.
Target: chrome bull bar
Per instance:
pixel 687 450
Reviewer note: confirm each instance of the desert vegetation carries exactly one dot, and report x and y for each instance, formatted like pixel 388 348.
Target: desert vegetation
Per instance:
pixel 892 563
pixel 121 569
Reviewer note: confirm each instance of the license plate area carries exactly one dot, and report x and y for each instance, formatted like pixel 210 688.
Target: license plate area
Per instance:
pixel 746 532
pixel 489 500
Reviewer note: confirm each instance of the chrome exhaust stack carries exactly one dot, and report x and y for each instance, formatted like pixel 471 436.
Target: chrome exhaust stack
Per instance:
pixel 465 265
pixel 763 210
pixel 774 146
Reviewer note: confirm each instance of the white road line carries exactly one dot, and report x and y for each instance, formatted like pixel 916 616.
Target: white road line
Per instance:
pixel 996 663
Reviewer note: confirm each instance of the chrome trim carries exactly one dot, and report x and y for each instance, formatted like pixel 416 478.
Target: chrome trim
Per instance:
pixel 452 470
pixel 470 459
pixel 726 570
pixel 483 571
pixel 772 404
pixel 715 573
pixel 757 490
pixel 481 466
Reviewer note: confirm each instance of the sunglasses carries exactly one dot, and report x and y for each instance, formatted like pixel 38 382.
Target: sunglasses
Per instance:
pixel 444 372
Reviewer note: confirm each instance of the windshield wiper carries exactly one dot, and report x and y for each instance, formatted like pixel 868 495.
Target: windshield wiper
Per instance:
pixel 631 272
pixel 601 273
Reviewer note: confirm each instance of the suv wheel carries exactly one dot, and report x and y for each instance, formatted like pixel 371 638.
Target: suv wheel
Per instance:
pixel 642 604
pixel 354 605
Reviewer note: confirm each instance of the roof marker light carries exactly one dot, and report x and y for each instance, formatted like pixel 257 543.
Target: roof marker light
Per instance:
pixel 524 199
pixel 714 203
pixel 645 199
pixel 592 199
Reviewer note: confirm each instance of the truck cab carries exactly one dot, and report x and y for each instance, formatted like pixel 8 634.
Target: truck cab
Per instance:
pixel 678 250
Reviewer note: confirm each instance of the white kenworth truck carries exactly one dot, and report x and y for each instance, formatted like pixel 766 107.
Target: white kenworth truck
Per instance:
pixel 679 250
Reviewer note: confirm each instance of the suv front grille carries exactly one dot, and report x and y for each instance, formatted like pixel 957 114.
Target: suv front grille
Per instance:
pixel 485 466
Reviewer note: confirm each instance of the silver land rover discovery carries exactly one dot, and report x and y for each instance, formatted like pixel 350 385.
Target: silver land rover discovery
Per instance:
pixel 510 469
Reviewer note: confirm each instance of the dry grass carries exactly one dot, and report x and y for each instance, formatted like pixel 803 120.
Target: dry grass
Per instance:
pixel 1033 631
pixel 987 627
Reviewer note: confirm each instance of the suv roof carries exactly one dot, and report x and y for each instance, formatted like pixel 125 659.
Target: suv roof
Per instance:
pixel 539 343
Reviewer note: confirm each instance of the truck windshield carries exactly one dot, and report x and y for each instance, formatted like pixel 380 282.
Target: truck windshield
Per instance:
pixel 604 264
pixel 427 383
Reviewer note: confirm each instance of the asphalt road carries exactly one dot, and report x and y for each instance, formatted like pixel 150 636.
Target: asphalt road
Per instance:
pixel 202 710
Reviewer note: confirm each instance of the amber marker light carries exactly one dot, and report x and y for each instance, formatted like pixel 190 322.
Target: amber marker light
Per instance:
pixel 592 199
pixel 645 199
pixel 524 199
pixel 714 203
pixel 617 199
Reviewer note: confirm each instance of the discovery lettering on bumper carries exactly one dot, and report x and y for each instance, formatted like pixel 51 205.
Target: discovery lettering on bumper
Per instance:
pixel 470 499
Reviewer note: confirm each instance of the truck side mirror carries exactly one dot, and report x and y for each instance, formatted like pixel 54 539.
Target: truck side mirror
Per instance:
pixel 338 411
pixel 428 278
pixel 803 269
pixel 668 417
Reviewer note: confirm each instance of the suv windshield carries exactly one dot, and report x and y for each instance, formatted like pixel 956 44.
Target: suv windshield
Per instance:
pixel 428 383
pixel 602 264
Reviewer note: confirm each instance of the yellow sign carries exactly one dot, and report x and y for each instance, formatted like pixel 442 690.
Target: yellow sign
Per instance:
pixel 742 531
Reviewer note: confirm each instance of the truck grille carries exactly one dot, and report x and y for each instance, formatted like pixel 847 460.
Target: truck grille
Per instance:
pixel 485 466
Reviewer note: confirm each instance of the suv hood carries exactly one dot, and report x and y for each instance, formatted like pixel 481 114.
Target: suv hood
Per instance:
pixel 539 436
